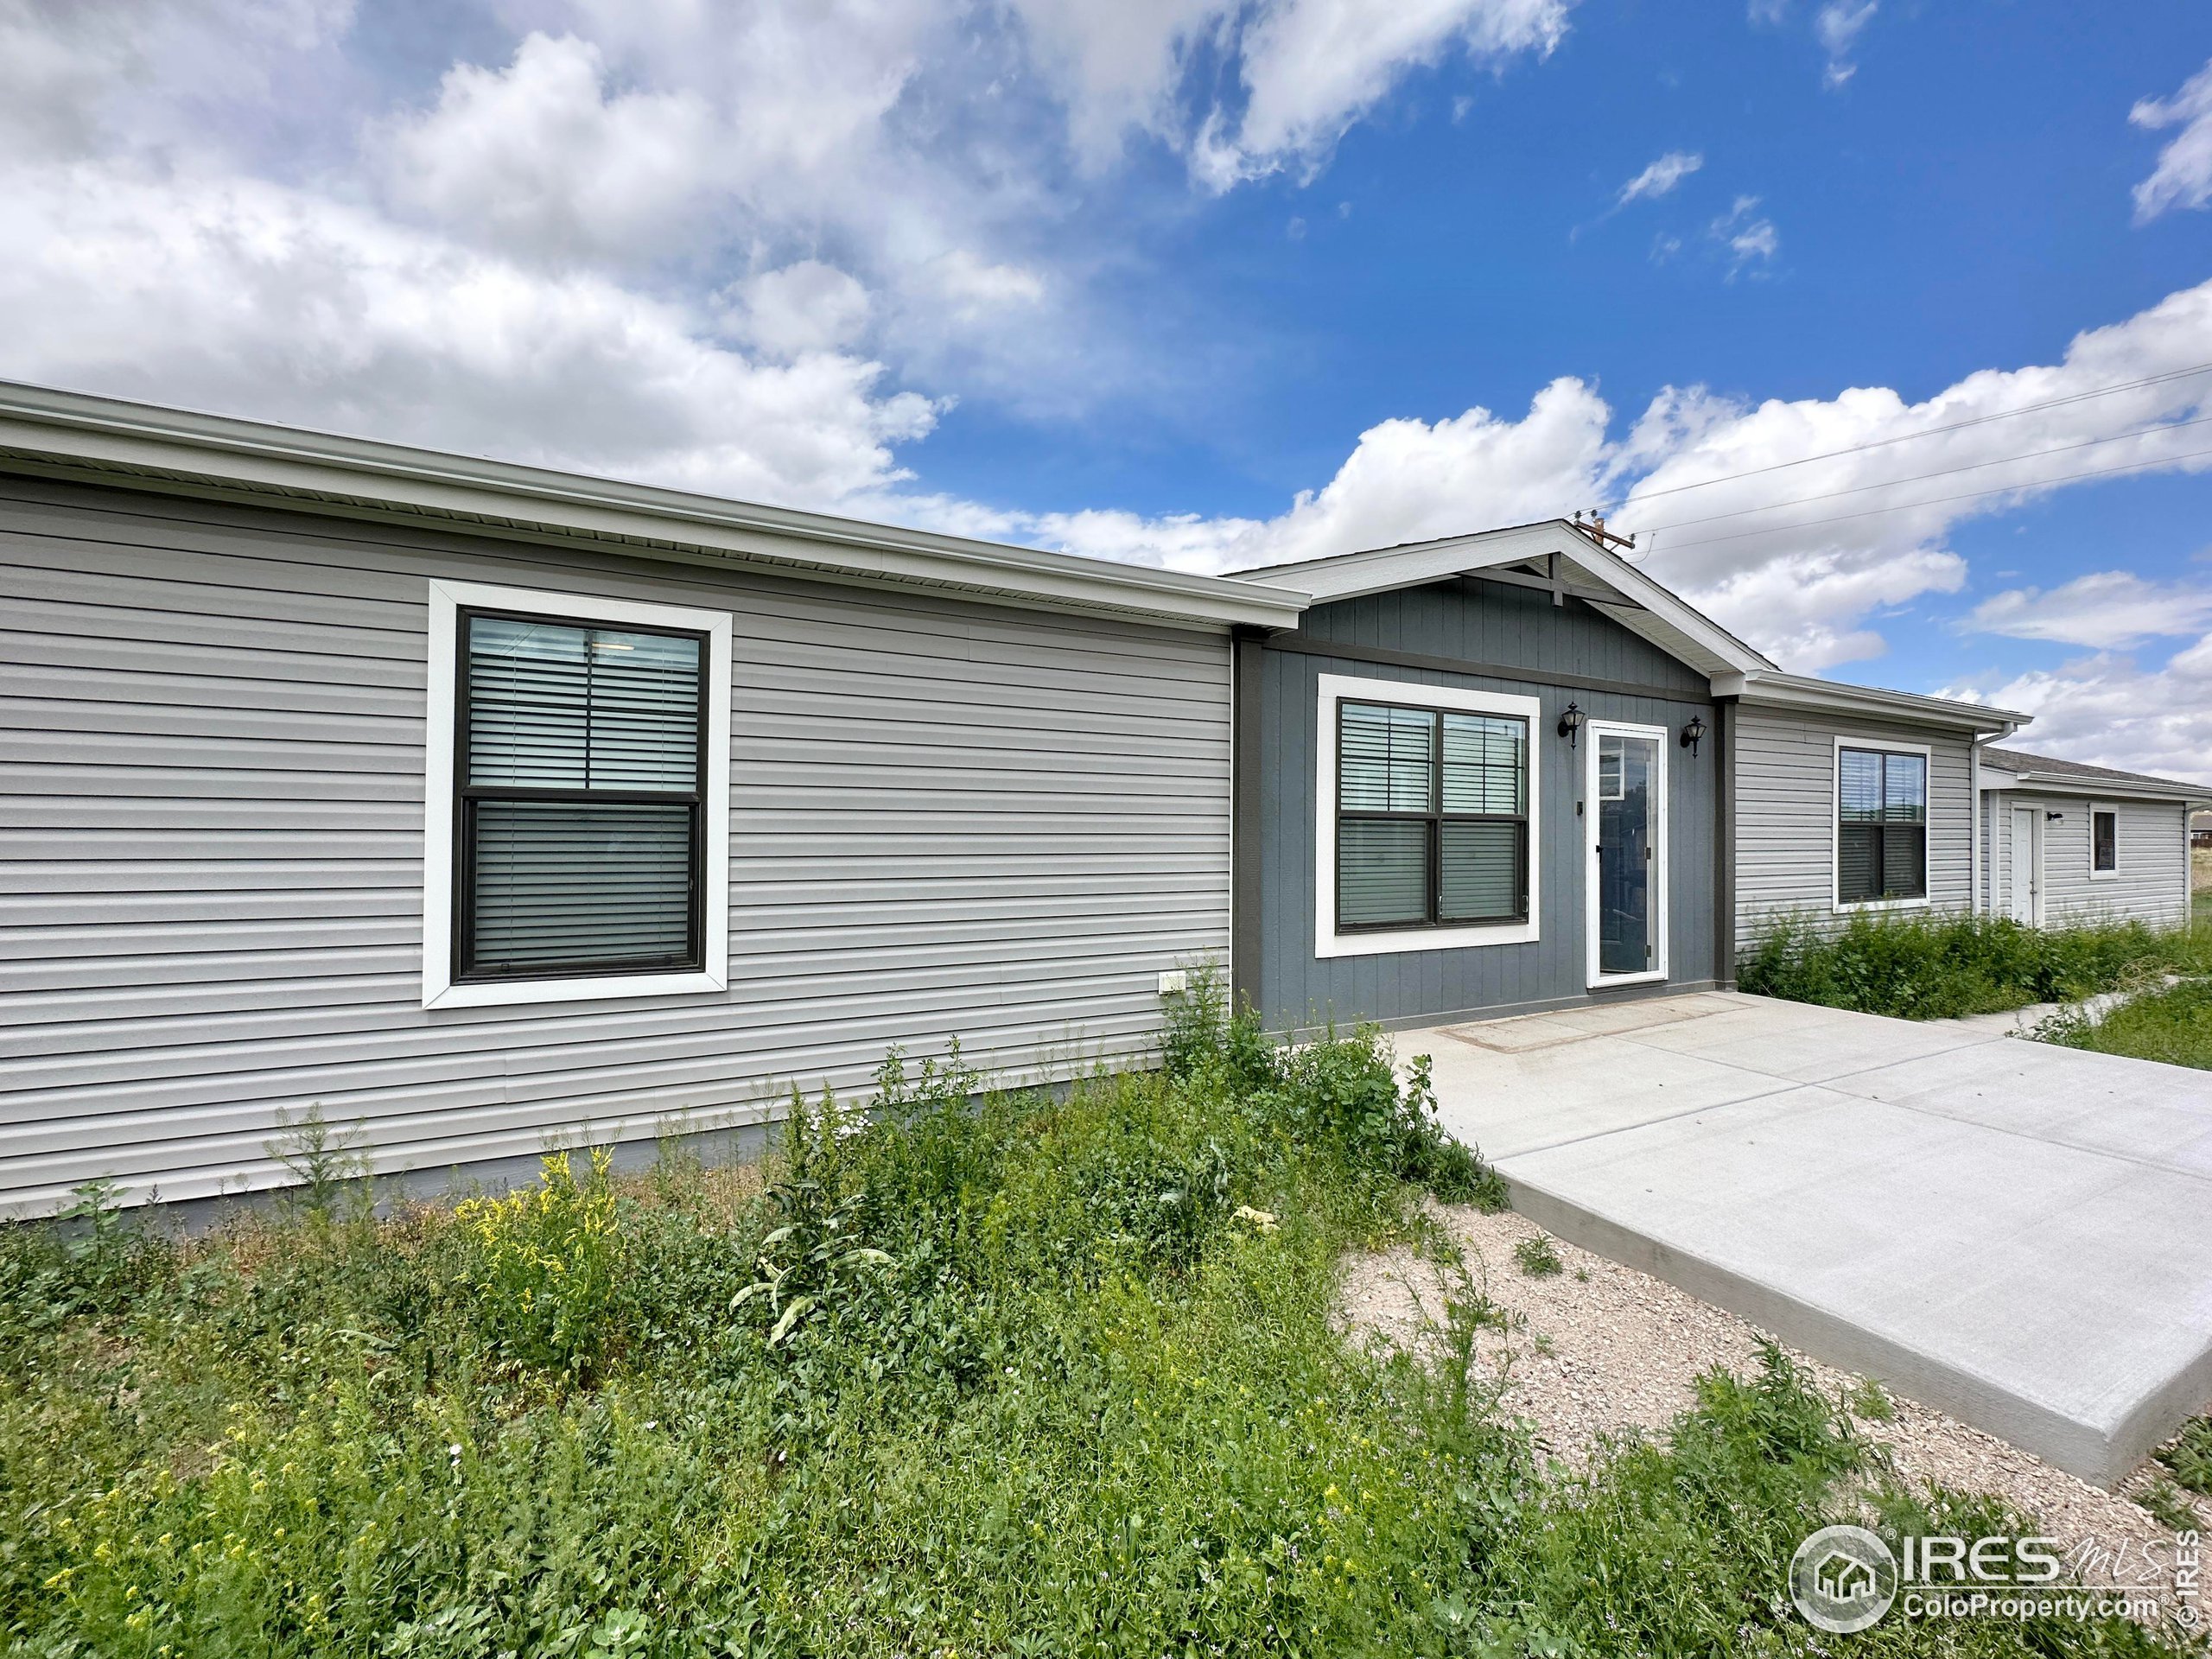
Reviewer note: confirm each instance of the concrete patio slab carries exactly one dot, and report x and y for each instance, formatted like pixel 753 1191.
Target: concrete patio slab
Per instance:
pixel 2016 1233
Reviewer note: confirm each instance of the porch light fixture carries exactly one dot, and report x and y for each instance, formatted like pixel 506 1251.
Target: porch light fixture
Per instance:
pixel 1570 725
pixel 1694 733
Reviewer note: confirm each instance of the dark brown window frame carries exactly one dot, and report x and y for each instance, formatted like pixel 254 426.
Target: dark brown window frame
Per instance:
pixel 467 797
pixel 1883 828
pixel 1435 820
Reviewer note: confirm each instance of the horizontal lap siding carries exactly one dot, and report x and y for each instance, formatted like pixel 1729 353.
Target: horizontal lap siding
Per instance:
pixel 1785 815
pixel 2152 881
pixel 1502 627
pixel 947 820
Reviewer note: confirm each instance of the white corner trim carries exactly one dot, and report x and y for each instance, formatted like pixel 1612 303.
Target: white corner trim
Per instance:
pixel 2112 807
pixel 1335 689
pixel 439 991
pixel 1661 833
pixel 1888 746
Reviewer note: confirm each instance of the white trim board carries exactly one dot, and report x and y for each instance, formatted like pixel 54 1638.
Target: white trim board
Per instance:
pixel 1661 830
pixel 1886 746
pixel 1327 941
pixel 439 991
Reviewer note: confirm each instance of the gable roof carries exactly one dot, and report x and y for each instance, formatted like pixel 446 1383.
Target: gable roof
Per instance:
pixel 1550 553
pixel 107 441
pixel 1557 554
pixel 2048 771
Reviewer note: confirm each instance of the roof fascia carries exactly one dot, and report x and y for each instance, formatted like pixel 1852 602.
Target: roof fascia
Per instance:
pixel 138 445
pixel 1800 691
pixel 1354 576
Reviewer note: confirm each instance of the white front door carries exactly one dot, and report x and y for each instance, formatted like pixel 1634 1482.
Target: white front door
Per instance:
pixel 1626 819
pixel 2026 895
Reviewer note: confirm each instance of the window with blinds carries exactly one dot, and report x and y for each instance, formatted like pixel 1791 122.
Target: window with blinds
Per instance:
pixel 1432 818
pixel 1881 831
pixel 579 763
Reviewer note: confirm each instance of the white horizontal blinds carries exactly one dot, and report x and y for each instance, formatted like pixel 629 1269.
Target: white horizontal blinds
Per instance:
pixel 1479 871
pixel 1431 817
pixel 560 882
pixel 581 809
pixel 1381 872
pixel 1882 835
pixel 1387 761
pixel 553 706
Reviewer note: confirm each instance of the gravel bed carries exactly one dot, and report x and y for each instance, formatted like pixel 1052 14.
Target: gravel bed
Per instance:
pixel 1599 1350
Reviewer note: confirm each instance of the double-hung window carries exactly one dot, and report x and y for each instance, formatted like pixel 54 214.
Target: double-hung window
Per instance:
pixel 1882 825
pixel 583 775
pixel 1432 810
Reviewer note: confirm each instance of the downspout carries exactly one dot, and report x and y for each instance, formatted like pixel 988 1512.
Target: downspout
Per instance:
pixel 1981 821
pixel 1724 850
pixel 1246 894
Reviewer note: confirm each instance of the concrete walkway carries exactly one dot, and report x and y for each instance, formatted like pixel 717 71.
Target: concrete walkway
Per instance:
pixel 2018 1234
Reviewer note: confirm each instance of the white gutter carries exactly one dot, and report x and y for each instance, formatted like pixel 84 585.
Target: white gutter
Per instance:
pixel 140 446
pixel 1775 689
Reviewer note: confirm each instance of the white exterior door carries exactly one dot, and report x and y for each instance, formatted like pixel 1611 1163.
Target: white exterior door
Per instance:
pixel 1625 828
pixel 2026 895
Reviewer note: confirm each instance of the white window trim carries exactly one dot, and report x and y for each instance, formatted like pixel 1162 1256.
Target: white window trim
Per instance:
pixel 2112 875
pixel 1886 746
pixel 1591 731
pixel 1339 687
pixel 439 991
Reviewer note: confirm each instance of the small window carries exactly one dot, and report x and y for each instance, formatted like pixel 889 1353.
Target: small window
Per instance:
pixel 2104 841
pixel 1432 818
pixel 580 772
pixel 1882 828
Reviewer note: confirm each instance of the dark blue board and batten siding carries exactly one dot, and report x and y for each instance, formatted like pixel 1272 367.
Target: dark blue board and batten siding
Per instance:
pixel 1576 650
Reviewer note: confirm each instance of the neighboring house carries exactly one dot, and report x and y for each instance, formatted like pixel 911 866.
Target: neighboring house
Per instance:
pixel 477 805
pixel 2201 834
pixel 2064 841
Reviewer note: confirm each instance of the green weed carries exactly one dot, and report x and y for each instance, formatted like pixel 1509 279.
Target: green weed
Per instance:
pixel 1931 966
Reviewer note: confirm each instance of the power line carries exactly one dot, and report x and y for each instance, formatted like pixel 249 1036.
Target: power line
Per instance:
pixel 1930 432
pixel 1941 500
pixel 1946 472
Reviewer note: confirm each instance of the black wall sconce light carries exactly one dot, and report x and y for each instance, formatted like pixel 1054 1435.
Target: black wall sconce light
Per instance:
pixel 1570 725
pixel 2054 817
pixel 1694 734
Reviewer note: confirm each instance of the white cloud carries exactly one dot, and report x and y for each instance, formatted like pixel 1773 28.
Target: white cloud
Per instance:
pixel 2107 609
pixel 2183 177
pixel 1660 178
pixel 1753 504
pixel 804 307
pixel 1313 68
pixel 238 294
pixel 1752 241
pixel 1838 26
pixel 2106 710
pixel 535 159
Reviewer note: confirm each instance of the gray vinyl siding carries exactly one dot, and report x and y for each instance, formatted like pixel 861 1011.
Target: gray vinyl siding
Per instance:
pixel 1785 814
pixel 2152 880
pixel 948 819
pixel 1502 627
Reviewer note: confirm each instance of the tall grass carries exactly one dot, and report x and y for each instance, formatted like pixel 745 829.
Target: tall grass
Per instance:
pixel 1064 1378
pixel 1930 965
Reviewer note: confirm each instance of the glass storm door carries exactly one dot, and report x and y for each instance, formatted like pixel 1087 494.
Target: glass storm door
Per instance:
pixel 1627 833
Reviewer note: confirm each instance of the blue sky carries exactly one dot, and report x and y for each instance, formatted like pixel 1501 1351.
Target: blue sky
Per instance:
pixel 1209 283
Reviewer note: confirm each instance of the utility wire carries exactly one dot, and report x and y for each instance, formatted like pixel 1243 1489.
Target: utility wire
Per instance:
pixel 1930 432
pixel 1947 471
pixel 1941 500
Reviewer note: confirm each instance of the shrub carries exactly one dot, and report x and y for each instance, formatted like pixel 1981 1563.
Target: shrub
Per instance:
pixel 1922 965
pixel 544 1262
